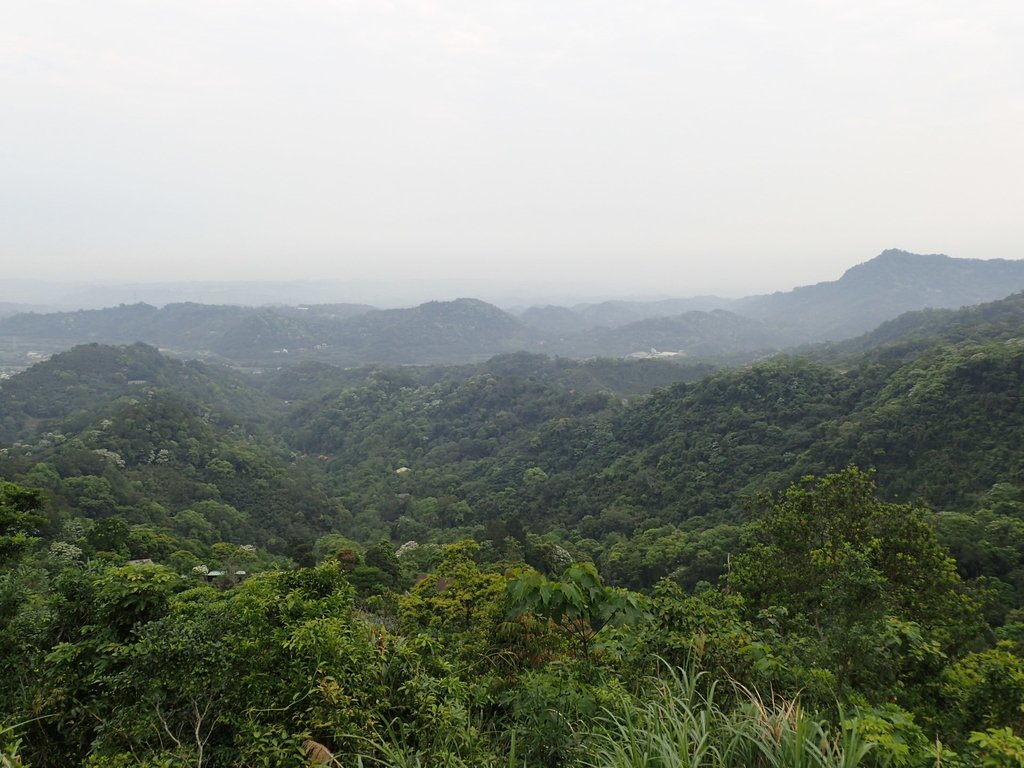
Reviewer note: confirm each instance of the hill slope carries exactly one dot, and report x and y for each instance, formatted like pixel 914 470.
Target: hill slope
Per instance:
pixel 714 334
pixel 436 332
pixel 881 289
pixel 469 330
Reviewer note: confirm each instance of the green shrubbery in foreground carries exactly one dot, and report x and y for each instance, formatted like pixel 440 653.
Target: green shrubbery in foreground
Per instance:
pixel 843 637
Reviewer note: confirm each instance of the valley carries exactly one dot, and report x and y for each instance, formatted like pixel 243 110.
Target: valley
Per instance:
pixel 767 519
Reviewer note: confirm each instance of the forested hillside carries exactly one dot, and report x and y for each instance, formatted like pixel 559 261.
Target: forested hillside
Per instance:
pixel 912 332
pixel 481 564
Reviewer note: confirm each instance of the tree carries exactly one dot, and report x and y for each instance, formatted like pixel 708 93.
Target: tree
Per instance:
pixel 20 517
pixel 866 579
pixel 578 605
pixel 457 601
pixel 986 690
pixel 110 535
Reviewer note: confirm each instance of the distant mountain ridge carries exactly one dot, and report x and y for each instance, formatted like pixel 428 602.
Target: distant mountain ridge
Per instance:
pixel 865 296
pixel 699 334
pixel 905 336
pixel 469 330
pixel 881 289
pixel 462 330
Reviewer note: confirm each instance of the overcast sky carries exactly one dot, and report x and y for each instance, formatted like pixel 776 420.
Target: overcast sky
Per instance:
pixel 647 146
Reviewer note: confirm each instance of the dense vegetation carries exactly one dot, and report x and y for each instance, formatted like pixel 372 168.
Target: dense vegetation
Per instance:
pixel 518 562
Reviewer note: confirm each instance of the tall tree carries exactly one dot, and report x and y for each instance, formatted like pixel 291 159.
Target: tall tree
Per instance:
pixel 866 580
pixel 20 517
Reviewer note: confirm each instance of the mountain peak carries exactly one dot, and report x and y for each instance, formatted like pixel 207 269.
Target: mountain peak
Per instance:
pixel 892 256
pixel 894 262
pixel 893 282
pixel 899 253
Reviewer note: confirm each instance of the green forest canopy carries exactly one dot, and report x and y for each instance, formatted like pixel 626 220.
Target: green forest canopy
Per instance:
pixel 495 557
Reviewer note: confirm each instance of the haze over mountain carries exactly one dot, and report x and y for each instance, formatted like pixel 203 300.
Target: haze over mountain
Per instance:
pixel 906 335
pixel 865 295
pixel 397 291
pixel 466 330
pixel 696 334
pixel 883 288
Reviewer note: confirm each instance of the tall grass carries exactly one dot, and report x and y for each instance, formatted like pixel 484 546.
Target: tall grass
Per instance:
pixel 682 723
pixel 681 720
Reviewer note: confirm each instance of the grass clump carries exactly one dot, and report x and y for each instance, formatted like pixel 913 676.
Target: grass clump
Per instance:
pixel 684 721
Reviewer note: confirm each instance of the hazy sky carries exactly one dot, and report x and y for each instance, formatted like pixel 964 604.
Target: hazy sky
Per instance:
pixel 646 145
